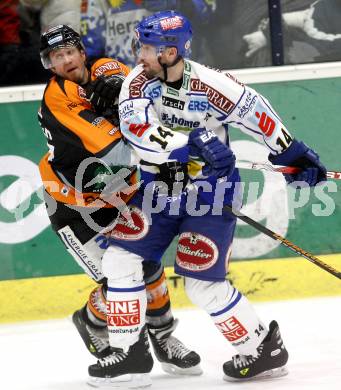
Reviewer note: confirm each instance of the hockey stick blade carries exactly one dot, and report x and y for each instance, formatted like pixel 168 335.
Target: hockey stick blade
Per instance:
pixel 313 259
pixel 280 169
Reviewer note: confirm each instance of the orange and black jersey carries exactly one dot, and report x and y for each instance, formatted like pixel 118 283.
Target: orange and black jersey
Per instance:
pixel 78 137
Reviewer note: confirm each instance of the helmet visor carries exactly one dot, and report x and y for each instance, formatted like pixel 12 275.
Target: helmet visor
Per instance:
pixel 136 46
pixel 145 49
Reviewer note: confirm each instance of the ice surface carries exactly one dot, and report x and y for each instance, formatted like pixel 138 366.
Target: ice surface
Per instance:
pixel 49 355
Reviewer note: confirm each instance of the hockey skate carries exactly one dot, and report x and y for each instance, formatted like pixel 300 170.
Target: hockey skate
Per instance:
pixel 270 362
pixel 96 340
pixel 175 358
pixel 124 369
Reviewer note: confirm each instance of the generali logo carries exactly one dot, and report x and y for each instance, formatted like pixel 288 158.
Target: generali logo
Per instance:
pixel 214 97
pixel 136 85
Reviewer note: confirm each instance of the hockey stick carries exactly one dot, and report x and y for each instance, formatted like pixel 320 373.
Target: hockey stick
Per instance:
pixel 280 169
pixel 283 241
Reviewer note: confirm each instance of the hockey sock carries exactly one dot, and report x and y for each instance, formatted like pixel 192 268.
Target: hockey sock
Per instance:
pixel 126 296
pixel 159 311
pixel 126 312
pixel 94 312
pixel 230 311
pixel 240 325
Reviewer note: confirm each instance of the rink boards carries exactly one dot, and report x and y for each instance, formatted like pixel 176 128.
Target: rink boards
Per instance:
pixel 259 280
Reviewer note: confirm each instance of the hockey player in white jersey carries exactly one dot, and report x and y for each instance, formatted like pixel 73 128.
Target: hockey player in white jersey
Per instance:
pixel 175 114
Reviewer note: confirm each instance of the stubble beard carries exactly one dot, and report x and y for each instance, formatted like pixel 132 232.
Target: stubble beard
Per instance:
pixel 151 74
pixel 83 77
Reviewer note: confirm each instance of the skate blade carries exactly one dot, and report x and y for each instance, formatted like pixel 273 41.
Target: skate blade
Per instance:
pixel 127 381
pixel 175 370
pixel 269 374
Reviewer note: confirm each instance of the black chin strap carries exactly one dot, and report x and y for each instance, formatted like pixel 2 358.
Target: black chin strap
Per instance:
pixel 165 67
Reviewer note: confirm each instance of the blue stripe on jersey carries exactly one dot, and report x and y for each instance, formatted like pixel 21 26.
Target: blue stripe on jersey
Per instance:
pixel 131 289
pixel 247 128
pixel 274 150
pixel 269 108
pixel 228 307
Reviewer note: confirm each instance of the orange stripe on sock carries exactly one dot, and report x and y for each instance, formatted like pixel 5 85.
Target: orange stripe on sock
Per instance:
pixel 96 300
pixel 157 293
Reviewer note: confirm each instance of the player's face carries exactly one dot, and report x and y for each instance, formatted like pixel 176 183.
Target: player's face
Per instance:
pixel 69 63
pixel 147 56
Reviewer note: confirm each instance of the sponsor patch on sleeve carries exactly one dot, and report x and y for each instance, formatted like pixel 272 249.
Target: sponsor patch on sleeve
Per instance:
pixel 108 66
pixel 247 104
pixel 138 128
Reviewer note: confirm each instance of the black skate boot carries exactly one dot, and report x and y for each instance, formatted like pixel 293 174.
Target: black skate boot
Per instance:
pixel 124 369
pixel 175 358
pixel 270 362
pixel 96 340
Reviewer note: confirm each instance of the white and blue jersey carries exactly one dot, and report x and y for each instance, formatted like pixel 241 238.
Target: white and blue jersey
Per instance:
pixel 155 119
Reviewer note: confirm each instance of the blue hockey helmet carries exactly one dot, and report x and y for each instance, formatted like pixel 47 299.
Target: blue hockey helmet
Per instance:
pixel 165 29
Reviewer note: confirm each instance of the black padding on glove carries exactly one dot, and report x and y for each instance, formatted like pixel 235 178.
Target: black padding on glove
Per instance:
pixel 103 92
pixel 171 173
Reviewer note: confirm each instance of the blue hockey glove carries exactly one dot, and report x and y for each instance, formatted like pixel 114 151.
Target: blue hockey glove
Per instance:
pixel 219 158
pixel 300 155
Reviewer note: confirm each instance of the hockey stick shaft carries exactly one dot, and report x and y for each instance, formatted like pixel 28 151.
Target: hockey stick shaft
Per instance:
pixel 280 169
pixel 284 241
